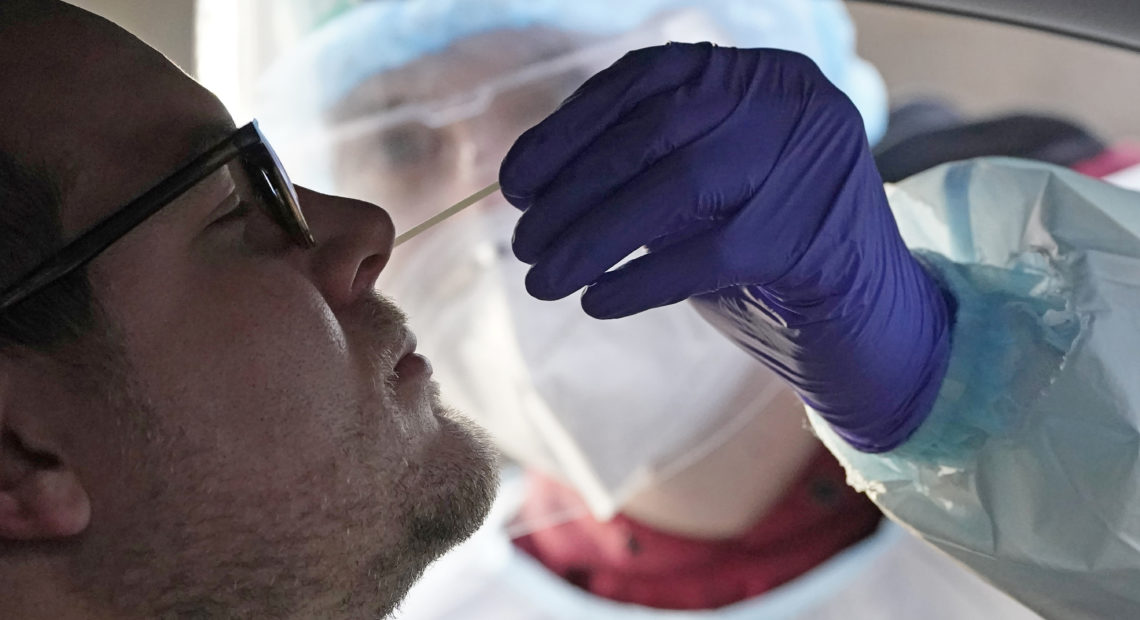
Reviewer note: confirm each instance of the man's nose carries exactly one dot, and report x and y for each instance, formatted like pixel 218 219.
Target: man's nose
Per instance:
pixel 354 243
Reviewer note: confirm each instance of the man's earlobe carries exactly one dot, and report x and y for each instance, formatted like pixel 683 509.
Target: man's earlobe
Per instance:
pixel 41 497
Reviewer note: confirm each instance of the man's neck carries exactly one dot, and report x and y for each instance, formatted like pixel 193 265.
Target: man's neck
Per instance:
pixel 724 494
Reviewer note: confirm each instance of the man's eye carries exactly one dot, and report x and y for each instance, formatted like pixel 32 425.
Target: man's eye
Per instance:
pixel 410 145
pixel 238 213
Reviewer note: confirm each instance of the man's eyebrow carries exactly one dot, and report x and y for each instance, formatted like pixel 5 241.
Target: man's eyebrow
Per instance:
pixel 203 137
pixel 200 139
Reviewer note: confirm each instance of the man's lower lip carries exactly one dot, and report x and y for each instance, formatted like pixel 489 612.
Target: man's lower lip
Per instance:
pixel 412 365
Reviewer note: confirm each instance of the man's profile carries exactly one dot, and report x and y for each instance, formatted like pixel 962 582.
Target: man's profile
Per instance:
pixel 208 419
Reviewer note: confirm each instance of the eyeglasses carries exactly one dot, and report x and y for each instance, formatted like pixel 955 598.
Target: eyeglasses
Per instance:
pixel 261 164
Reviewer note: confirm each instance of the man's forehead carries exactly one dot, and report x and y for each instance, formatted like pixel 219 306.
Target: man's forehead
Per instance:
pixel 100 108
pixel 121 163
pixel 464 66
pixel 198 140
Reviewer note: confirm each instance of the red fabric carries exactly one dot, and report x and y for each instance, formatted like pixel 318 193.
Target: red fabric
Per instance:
pixel 1112 159
pixel 623 560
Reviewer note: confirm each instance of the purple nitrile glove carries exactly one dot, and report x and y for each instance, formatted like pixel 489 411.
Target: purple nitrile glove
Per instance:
pixel 748 176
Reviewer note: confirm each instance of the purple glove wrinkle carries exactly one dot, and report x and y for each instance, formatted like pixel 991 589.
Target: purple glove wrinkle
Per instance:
pixel 748 176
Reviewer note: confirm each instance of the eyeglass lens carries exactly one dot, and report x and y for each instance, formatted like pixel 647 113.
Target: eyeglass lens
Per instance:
pixel 271 182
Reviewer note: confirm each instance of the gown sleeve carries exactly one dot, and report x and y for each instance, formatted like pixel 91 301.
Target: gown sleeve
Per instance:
pixel 1027 470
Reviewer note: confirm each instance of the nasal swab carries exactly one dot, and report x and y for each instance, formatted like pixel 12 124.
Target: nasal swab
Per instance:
pixel 448 212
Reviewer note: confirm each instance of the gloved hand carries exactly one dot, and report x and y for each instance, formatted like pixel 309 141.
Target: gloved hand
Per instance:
pixel 748 177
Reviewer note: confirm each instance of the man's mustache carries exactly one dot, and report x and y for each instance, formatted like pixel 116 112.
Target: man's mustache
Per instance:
pixel 382 326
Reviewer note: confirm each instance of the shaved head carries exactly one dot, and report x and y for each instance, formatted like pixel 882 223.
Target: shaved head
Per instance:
pixel 71 82
pixel 236 427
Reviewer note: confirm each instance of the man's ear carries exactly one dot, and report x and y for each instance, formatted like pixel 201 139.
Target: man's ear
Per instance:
pixel 41 497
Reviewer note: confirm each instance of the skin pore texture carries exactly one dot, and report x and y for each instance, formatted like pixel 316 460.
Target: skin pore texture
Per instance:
pixel 234 440
pixel 419 168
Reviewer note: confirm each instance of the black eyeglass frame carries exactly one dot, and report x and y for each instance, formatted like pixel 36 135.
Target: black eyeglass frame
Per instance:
pixel 261 163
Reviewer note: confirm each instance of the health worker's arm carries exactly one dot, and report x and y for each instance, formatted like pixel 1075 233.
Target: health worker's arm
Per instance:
pixel 1027 468
pixel 981 389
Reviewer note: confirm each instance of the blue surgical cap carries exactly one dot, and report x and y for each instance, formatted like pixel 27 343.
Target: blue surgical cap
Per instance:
pixel 385 34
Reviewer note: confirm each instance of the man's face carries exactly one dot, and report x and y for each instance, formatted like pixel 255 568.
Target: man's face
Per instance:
pixel 270 450
pixel 419 167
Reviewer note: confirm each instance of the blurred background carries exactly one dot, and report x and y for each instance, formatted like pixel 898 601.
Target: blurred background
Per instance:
pixel 981 67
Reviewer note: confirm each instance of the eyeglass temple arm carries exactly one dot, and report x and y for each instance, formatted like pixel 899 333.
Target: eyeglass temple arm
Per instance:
pixel 88 245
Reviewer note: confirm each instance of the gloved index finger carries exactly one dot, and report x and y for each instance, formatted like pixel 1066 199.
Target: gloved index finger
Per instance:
pixel 541 152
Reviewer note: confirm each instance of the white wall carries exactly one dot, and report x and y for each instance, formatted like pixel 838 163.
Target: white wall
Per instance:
pixel 987 67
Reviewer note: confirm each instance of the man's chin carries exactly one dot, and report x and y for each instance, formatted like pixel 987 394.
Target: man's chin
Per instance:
pixel 454 484
pixel 460 478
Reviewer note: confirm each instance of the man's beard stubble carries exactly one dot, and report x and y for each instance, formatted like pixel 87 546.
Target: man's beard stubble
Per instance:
pixel 462 486
pixel 201 563
pixel 456 487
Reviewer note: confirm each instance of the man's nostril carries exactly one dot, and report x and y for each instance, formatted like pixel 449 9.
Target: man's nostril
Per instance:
pixel 368 271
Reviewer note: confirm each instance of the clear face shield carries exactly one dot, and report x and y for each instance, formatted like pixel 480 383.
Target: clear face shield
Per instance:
pixel 607 407
pixel 423 135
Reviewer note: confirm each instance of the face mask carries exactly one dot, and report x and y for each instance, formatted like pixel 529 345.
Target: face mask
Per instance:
pixel 609 407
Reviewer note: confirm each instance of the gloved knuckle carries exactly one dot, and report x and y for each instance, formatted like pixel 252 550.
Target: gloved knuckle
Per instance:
pixel 841 106
pixel 795 61
pixel 827 103
pixel 666 53
pixel 639 56
pixel 521 244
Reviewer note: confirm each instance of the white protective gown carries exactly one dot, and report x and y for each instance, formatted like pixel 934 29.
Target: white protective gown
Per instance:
pixel 889 576
pixel 1028 468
